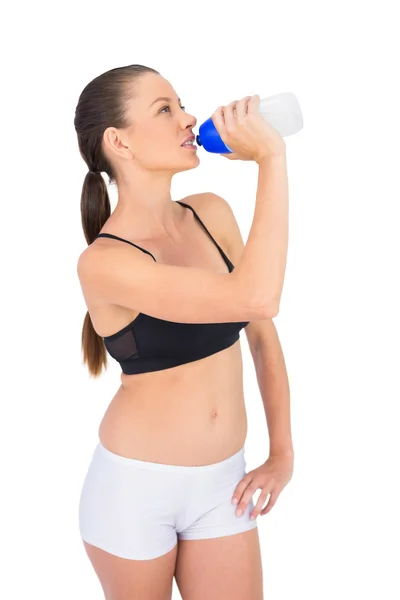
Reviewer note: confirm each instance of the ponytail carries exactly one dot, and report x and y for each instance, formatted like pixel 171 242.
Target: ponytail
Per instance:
pixel 95 210
pixel 104 102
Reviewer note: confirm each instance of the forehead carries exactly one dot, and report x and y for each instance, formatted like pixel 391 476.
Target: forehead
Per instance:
pixel 151 87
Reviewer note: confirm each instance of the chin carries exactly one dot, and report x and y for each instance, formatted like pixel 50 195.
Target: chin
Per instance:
pixel 188 164
pixel 192 166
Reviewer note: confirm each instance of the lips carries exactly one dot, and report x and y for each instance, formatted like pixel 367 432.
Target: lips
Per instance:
pixel 188 139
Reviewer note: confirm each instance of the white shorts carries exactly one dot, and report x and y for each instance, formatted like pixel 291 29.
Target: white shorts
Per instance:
pixel 137 509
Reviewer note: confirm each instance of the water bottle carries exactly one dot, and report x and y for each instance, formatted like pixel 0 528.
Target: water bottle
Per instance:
pixel 282 111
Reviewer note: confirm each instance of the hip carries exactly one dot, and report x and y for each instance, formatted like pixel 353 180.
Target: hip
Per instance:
pixel 137 509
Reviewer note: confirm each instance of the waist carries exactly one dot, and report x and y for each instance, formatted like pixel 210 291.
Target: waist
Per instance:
pixel 195 412
pixel 194 431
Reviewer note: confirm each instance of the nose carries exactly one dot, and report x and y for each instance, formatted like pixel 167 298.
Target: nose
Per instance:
pixel 190 121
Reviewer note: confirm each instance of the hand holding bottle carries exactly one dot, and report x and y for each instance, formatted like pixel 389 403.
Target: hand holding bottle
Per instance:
pixel 246 132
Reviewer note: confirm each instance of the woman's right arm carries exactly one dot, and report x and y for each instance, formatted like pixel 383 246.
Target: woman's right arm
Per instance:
pixel 123 275
pixel 262 265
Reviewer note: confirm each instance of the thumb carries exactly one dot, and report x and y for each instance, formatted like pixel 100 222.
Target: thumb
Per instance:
pixel 230 155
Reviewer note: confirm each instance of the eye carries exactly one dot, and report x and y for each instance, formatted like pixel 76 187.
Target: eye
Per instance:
pixel 168 106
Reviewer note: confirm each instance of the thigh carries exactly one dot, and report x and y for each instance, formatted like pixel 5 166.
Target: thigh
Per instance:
pixel 126 523
pixel 125 509
pixel 126 579
pixel 220 568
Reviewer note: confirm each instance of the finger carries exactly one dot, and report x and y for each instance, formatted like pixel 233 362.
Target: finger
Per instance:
pixel 218 119
pixel 241 108
pixel 271 501
pixel 230 116
pixel 240 488
pixel 261 499
pixel 247 496
pixel 254 103
pixel 231 156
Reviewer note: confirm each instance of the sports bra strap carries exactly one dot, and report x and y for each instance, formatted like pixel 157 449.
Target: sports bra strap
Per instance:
pixel 201 222
pixel 116 237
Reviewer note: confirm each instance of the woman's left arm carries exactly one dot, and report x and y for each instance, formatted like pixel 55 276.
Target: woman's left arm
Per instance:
pixel 276 472
pixel 273 382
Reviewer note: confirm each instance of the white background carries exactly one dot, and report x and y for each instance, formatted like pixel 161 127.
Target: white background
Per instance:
pixel 334 531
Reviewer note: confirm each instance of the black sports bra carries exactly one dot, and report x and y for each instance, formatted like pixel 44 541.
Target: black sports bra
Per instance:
pixel 151 344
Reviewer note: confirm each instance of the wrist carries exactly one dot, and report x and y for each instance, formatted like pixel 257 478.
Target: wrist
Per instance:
pixel 281 451
pixel 271 158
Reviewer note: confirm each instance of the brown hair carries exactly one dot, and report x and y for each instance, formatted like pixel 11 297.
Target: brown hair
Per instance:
pixel 101 104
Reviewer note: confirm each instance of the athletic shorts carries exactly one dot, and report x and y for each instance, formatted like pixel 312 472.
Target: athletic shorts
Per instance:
pixel 138 509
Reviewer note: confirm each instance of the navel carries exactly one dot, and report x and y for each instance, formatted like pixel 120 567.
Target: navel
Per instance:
pixel 214 415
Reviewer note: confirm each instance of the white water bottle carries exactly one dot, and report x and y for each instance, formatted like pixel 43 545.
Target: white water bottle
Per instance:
pixel 282 111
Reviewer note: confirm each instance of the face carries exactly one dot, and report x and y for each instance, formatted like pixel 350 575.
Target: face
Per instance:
pixel 158 129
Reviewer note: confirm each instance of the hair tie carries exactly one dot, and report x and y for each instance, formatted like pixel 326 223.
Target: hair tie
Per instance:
pixel 94 172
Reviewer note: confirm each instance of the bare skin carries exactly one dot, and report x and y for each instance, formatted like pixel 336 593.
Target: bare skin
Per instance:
pixel 192 414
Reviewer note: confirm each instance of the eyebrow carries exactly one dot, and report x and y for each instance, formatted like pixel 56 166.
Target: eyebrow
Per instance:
pixel 162 98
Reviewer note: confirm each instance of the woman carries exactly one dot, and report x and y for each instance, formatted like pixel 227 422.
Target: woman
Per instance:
pixel 165 301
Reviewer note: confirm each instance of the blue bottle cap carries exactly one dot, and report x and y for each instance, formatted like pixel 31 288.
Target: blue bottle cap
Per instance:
pixel 210 139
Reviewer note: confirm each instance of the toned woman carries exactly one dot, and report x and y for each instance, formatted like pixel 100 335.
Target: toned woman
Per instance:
pixel 168 286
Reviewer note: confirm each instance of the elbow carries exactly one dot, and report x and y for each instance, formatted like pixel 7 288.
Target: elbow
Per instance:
pixel 257 306
pixel 266 310
pixel 270 309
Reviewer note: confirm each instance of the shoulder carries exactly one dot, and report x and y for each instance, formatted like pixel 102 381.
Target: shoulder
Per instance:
pixel 85 257
pixel 218 215
pixel 208 204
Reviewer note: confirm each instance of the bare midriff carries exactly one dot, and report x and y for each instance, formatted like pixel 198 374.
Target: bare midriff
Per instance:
pixel 192 414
